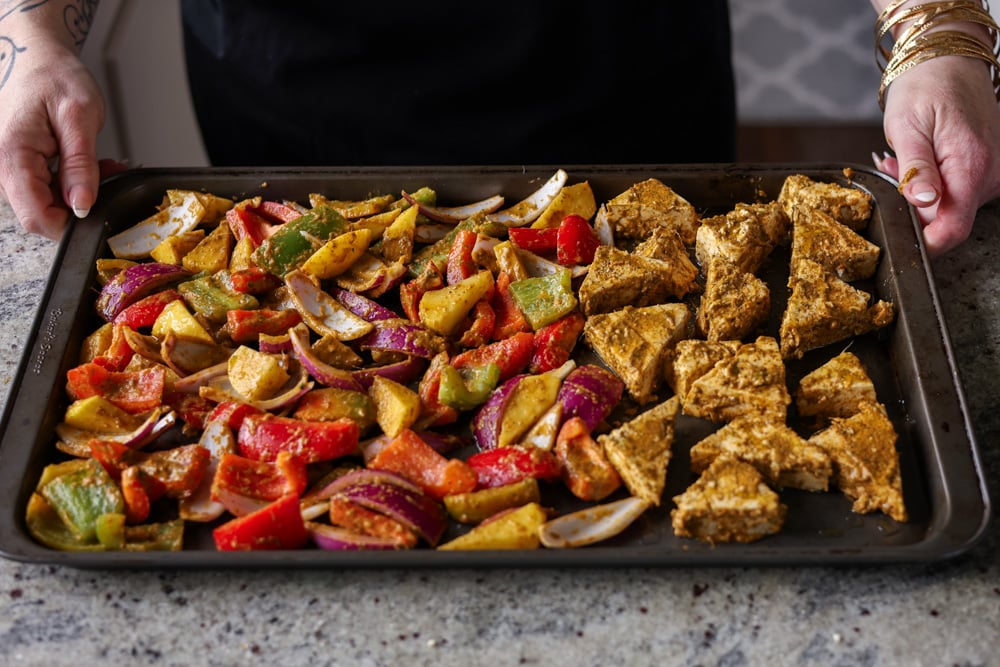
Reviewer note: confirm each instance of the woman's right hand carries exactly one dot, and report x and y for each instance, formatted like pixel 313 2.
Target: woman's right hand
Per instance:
pixel 51 111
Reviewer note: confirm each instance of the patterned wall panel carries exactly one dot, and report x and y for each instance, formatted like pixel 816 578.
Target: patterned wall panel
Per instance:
pixel 805 61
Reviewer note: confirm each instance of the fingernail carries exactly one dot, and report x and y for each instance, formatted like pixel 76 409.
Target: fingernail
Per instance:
pixel 79 210
pixel 876 160
pixel 926 196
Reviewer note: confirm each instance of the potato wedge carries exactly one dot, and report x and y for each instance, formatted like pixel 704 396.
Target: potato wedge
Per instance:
pixel 396 406
pixel 443 310
pixel 513 529
pixel 477 506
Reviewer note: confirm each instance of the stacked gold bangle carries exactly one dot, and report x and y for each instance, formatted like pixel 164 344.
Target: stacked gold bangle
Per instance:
pixel 915 44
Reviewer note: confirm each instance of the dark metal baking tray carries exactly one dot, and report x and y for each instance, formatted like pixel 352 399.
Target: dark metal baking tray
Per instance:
pixel 911 363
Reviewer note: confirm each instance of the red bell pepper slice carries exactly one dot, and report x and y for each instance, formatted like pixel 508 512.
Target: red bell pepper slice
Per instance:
pixel 509 318
pixel 180 470
pixel 480 330
pixel 119 352
pixel 585 470
pixel 246 223
pixel 232 413
pixel 143 313
pixel 506 465
pixel 191 408
pixel 576 241
pixel 432 411
pixel 139 490
pixel 439 476
pixel 277 211
pixel 132 391
pixel 254 280
pixel 278 525
pixel 246 326
pixel 262 437
pixel 264 480
pixel 538 241
pixel 511 354
pixel 113 456
pixel 554 342
pixel 460 262
pixel 411 292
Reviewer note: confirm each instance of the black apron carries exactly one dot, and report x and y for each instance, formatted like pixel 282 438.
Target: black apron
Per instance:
pixel 519 82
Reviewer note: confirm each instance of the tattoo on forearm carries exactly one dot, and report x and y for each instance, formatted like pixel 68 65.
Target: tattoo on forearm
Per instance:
pixel 78 17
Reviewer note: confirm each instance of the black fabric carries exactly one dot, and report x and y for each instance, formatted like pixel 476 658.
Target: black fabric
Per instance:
pixel 519 82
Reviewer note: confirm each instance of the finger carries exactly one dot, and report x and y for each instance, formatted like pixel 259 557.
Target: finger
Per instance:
pixel 79 173
pixel 950 225
pixel 34 203
pixel 917 173
pixel 887 164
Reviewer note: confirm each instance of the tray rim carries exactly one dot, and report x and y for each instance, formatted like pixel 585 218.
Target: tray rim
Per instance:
pixel 16 545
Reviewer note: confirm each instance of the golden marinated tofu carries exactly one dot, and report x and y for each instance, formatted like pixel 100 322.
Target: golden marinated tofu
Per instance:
pixel 640 450
pixel 823 309
pixel 772 218
pixel 636 343
pixel 693 358
pixel 865 461
pixel 838 388
pixel 617 278
pixel 832 245
pixel 849 206
pixel 730 502
pixel 784 457
pixel 734 303
pixel 751 381
pixel 665 245
pixel 647 205
pixel 737 237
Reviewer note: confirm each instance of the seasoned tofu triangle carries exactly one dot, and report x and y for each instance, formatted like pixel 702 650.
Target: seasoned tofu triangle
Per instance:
pixel 637 344
pixel 730 502
pixel 640 450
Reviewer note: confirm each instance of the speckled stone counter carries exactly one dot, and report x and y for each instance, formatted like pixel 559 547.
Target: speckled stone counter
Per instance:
pixel 940 614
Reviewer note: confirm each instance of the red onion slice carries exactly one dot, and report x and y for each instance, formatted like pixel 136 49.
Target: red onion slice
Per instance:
pixel 322 372
pixel 193 383
pixel 158 422
pixel 274 344
pixel 364 476
pixel 417 511
pixel 324 314
pixel 362 306
pixel 591 393
pixel 334 538
pixel 404 372
pixel 592 524
pixel 133 283
pixel 404 336
pixel 454 214
pixel 147 347
pixel 190 356
pixel 219 389
pixel 531 207
pixel 140 239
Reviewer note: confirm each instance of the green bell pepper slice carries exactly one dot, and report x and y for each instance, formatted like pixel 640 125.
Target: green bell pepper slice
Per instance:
pixel 296 240
pixel 545 299
pixel 81 495
pixel 211 301
pixel 464 389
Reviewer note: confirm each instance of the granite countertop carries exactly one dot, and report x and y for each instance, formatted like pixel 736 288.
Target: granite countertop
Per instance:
pixel 936 614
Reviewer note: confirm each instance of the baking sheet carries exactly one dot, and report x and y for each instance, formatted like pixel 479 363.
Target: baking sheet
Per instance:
pixel 910 362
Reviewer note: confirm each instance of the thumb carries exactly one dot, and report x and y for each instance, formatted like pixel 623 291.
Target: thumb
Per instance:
pixel 917 172
pixel 79 173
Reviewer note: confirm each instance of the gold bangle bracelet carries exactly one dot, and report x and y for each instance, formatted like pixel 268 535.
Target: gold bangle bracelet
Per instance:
pixel 917 43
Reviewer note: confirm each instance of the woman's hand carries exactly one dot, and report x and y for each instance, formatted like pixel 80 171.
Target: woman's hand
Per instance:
pixel 943 123
pixel 50 107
